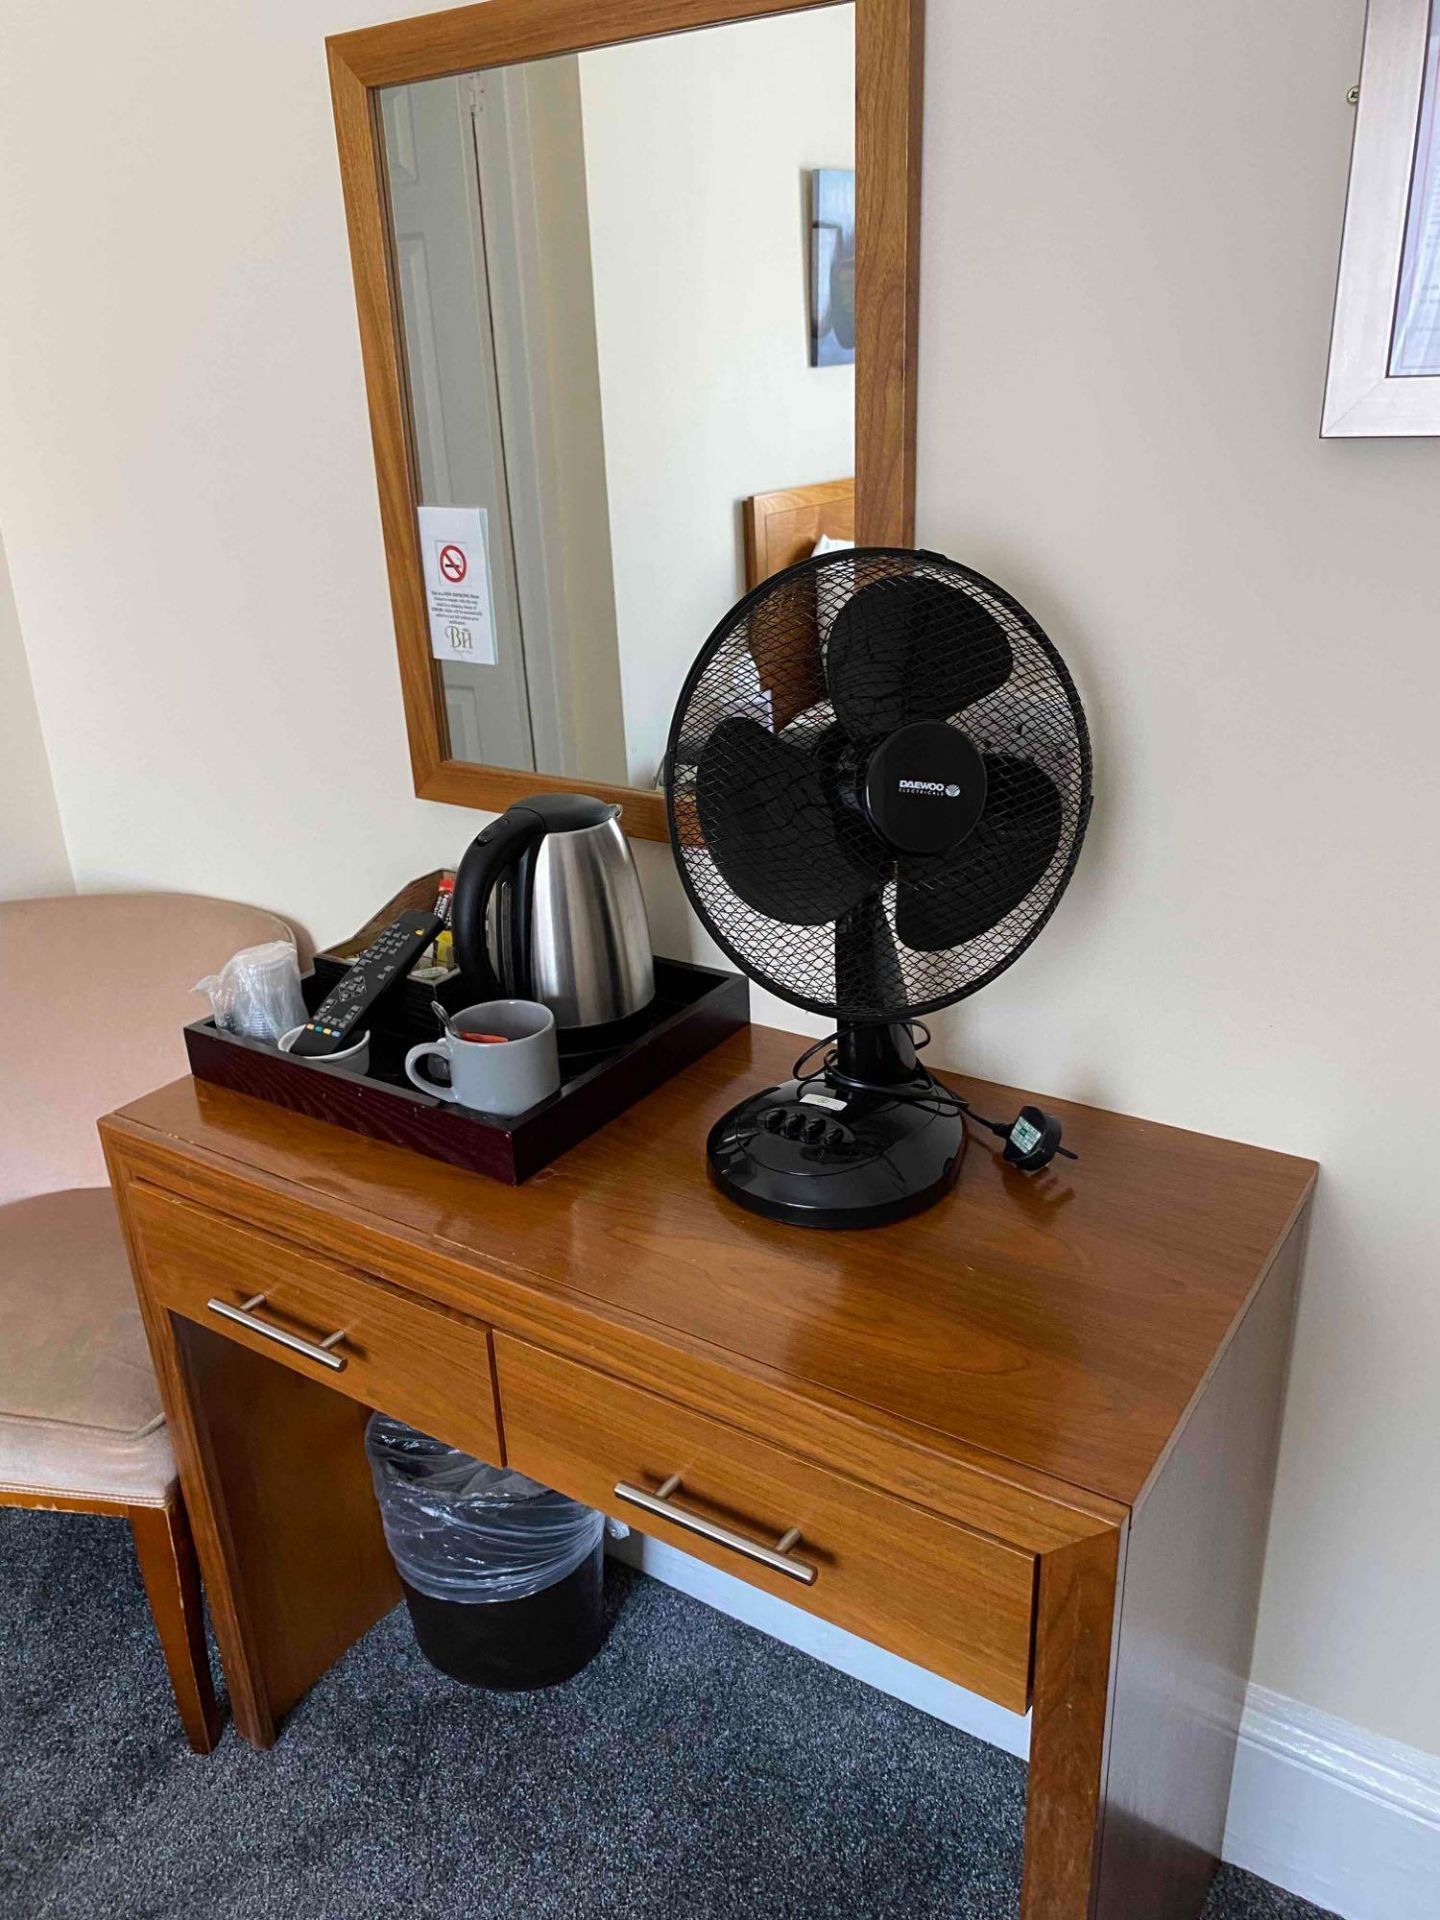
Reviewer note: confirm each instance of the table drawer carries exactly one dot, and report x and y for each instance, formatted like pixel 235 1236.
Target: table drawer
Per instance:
pixel 428 1367
pixel 958 1603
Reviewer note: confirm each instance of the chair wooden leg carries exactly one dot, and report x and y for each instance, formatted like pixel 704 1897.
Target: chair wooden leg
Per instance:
pixel 168 1567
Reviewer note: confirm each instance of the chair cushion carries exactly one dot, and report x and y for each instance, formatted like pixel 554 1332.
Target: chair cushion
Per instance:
pixel 79 1408
pixel 95 990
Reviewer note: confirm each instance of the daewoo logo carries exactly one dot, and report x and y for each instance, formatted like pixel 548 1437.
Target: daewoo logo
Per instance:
pixel 936 787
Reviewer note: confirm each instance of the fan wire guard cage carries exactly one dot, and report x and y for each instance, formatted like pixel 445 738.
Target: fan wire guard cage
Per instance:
pixel 766 662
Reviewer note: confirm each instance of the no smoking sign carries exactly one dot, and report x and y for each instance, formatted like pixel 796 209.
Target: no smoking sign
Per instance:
pixel 457 584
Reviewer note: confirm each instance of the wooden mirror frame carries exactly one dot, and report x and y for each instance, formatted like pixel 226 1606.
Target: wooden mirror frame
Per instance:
pixel 889 42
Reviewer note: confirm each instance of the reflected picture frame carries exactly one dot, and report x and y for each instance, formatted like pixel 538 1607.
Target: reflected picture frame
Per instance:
pixel 832 267
pixel 1391 242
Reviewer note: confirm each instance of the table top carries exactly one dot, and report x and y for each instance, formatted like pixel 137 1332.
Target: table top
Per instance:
pixel 1063 1322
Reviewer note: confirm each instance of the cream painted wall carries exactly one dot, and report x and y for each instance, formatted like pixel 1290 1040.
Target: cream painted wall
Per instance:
pixel 1132 215
pixel 1131 231
pixel 185 475
pixel 697 154
pixel 32 848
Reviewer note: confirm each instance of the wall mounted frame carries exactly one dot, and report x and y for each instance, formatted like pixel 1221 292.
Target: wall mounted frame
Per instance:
pixel 888 88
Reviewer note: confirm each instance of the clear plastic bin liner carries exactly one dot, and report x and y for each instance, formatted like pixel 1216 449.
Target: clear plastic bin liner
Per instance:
pixel 459 1530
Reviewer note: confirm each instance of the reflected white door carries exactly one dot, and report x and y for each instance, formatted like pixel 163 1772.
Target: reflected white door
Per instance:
pixel 445 301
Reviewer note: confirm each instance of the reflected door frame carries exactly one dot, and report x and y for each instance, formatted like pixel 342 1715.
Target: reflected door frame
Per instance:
pixel 889 55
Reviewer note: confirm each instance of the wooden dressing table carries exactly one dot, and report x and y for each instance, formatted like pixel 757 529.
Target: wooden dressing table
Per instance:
pixel 1027 1439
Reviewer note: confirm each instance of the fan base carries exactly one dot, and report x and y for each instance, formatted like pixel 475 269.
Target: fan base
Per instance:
pixel 814 1156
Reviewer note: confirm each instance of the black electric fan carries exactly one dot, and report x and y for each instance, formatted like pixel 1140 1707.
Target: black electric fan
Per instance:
pixel 877 780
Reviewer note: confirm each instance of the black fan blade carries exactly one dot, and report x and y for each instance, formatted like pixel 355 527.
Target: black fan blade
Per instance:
pixel 943 902
pixel 775 831
pixel 911 648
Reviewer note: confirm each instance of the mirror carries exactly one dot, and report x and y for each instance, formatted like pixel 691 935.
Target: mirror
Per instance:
pixel 637 294
pixel 1384 373
pixel 627 288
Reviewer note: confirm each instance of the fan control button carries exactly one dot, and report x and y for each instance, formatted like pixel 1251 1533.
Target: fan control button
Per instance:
pixel 794 1125
pixel 774 1119
pixel 834 1137
pixel 815 1131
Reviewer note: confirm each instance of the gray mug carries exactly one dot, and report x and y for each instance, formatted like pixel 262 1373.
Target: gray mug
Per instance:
pixel 507 1076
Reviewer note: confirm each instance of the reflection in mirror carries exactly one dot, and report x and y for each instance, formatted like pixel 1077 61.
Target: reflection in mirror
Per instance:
pixel 1415 344
pixel 628 306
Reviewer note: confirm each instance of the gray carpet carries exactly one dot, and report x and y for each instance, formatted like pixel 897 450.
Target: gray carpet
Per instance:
pixel 695 1769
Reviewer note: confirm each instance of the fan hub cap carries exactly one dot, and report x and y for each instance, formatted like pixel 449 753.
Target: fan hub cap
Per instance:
pixel 924 787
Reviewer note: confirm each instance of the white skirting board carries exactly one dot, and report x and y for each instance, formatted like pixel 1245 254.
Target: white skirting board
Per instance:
pixel 1335 1814
pixel 1321 1808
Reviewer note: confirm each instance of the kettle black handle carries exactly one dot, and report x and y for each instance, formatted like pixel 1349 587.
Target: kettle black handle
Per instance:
pixel 489 857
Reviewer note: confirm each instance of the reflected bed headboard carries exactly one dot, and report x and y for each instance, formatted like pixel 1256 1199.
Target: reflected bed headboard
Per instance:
pixel 781 528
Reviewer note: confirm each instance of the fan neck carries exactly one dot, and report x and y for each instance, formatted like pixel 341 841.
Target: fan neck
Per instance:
pixel 881 1055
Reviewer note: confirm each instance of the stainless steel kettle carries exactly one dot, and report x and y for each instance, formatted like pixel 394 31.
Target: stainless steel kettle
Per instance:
pixel 548 907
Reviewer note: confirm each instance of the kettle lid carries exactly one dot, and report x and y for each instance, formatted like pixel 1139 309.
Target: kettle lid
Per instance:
pixel 570 812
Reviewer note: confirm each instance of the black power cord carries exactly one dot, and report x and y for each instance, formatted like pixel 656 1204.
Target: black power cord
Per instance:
pixel 1032 1138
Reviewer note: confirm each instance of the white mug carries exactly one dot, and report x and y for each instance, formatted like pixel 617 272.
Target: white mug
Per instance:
pixel 352 1059
pixel 504 1076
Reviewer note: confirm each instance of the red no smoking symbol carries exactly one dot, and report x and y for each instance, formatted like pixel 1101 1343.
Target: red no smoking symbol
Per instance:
pixel 453 564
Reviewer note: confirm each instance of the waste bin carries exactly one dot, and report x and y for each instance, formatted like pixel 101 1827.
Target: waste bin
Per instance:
pixel 502 1576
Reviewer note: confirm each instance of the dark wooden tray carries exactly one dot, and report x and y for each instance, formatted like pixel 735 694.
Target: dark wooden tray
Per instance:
pixel 694 1009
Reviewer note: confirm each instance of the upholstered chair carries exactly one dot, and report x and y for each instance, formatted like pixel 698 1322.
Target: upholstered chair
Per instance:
pixel 94 992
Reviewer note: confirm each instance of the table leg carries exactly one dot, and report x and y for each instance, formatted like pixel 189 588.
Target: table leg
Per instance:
pixel 273 1469
pixel 1136 1717
pixel 297 1543
pixel 1074 1640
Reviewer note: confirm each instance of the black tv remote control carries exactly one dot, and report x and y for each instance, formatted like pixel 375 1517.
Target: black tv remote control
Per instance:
pixel 389 958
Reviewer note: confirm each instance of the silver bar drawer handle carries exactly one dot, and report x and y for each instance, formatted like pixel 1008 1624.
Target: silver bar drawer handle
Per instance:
pixel 777 1558
pixel 244 1316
